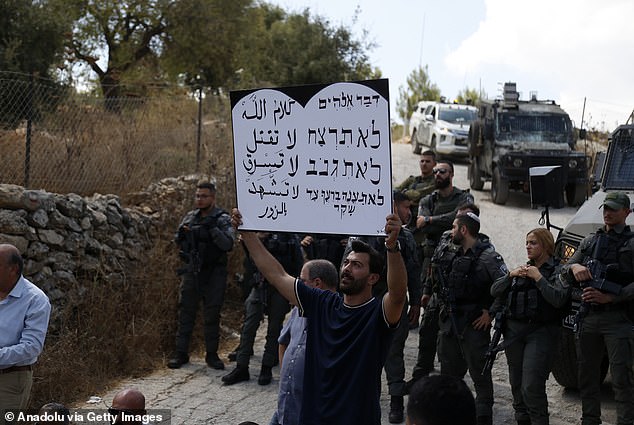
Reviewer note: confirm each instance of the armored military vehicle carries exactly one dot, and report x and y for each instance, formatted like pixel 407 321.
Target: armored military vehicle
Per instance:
pixel 617 174
pixel 510 136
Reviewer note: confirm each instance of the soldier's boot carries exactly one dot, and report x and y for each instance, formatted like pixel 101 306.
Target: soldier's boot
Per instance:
pixel 396 409
pixel 239 374
pixel 177 360
pixel 265 375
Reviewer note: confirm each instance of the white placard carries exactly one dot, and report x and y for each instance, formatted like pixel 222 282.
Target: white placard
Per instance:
pixel 314 159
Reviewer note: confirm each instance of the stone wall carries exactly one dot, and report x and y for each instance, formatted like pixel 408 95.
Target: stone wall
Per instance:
pixel 68 240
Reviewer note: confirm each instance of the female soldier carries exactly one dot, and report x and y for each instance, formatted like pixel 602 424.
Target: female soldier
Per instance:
pixel 533 297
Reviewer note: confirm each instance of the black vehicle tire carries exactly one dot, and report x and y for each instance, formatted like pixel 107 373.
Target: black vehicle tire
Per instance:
pixel 575 194
pixel 499 188
pixel 475 175
pixel 415 144
pixel 433 147
pixel 564 367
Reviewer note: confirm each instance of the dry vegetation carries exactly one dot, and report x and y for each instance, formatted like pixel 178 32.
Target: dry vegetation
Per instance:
pixel 117 330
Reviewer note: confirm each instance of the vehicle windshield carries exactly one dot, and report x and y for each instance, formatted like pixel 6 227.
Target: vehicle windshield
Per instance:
pixel 458 116
pixel 552 128
pixel 619 175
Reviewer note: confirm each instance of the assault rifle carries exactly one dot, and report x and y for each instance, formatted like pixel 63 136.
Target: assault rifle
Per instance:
pixel 494 346
pixel 601 275
pixel 449 299
pixel 190 254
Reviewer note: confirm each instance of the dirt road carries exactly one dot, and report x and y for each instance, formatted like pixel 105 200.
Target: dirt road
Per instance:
pixel 195 394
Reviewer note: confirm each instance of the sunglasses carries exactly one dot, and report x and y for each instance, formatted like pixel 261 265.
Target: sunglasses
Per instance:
pixel 440 171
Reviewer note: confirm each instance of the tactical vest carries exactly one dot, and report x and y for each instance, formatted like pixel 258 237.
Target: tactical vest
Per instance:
pixel 526 303
pixel 199 239
pixel 607 253
pixel 458 272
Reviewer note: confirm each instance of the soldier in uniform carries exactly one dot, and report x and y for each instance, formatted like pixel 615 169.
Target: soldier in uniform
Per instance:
pixel 204 237
pixel 532 296
pixel 436 213
pixel 264 298
pixel 606 256
pixel 415 187
pixel 464 273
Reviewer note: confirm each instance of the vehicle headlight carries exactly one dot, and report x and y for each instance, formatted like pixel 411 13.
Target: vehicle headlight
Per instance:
pixel 572 163
pixel 517 162
pixel 567 251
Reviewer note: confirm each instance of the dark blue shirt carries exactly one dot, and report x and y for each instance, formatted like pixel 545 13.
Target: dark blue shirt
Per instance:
pixel 346 349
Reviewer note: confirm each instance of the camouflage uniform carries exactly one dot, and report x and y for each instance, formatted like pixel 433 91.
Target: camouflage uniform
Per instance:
pixel 415 187
pixel 608 324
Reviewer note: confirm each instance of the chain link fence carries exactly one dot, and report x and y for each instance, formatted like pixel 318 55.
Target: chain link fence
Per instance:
pixel 54 138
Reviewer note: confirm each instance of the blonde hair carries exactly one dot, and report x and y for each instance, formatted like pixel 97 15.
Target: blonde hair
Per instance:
pixel 545 239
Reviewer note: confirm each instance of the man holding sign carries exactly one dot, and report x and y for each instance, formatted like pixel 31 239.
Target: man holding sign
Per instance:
pixel 347 338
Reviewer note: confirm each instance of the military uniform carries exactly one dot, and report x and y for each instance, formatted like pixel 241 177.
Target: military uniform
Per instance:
pixel 204 242
pixel 442 211
pixel 608 324
pixel 533 312
pixel 415 187
pixel 464 280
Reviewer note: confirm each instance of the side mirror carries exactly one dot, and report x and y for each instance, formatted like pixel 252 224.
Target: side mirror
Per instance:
pixel 429 117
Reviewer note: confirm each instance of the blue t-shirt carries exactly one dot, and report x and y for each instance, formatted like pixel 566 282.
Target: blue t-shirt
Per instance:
pixel 346 349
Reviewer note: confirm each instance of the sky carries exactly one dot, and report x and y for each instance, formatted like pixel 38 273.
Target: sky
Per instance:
pixel 565 50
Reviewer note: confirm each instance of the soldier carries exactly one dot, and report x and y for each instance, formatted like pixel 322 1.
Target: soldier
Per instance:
pixel 415 187
pixel 436 212
pixel 464 273
pixel 264 298
pixel 532 296
pixel 605 257
pixel 204 237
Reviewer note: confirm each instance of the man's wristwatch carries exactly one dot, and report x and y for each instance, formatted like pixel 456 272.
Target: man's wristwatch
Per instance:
pixel 427 219
pixel 396 248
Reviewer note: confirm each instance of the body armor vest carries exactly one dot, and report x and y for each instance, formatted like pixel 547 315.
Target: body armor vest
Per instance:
pixel 525 302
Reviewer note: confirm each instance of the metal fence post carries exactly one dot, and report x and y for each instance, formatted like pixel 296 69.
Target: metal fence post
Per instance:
pixel 200 123
pixel 29 123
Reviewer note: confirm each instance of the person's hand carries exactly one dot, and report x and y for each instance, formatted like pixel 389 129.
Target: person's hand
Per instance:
pixel 482 322
pixel 424 300
pixel 307 241
pixel 236 218
pixel 420 221
pixel 413 314
pixel 592 295
pixel 392 228
pixel 533 273
pixel 516 272
pixel 580 272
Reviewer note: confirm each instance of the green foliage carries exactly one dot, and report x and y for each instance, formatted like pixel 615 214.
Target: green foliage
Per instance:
pixel 31 36
pixel 419 87
pixel 469 96
pixel 291 49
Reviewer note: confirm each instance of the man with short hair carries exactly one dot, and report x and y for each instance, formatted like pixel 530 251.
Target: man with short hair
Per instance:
pixel 204 237
pixel 128 407
pixel 24 314
pixel 415 187
pixel 320 274
pixel 464 276
pixel 348 337
pixel 607 321
pixel 441 400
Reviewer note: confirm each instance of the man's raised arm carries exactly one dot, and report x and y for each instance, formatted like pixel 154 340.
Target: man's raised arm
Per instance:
pixel 394 300
pixel 266 263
